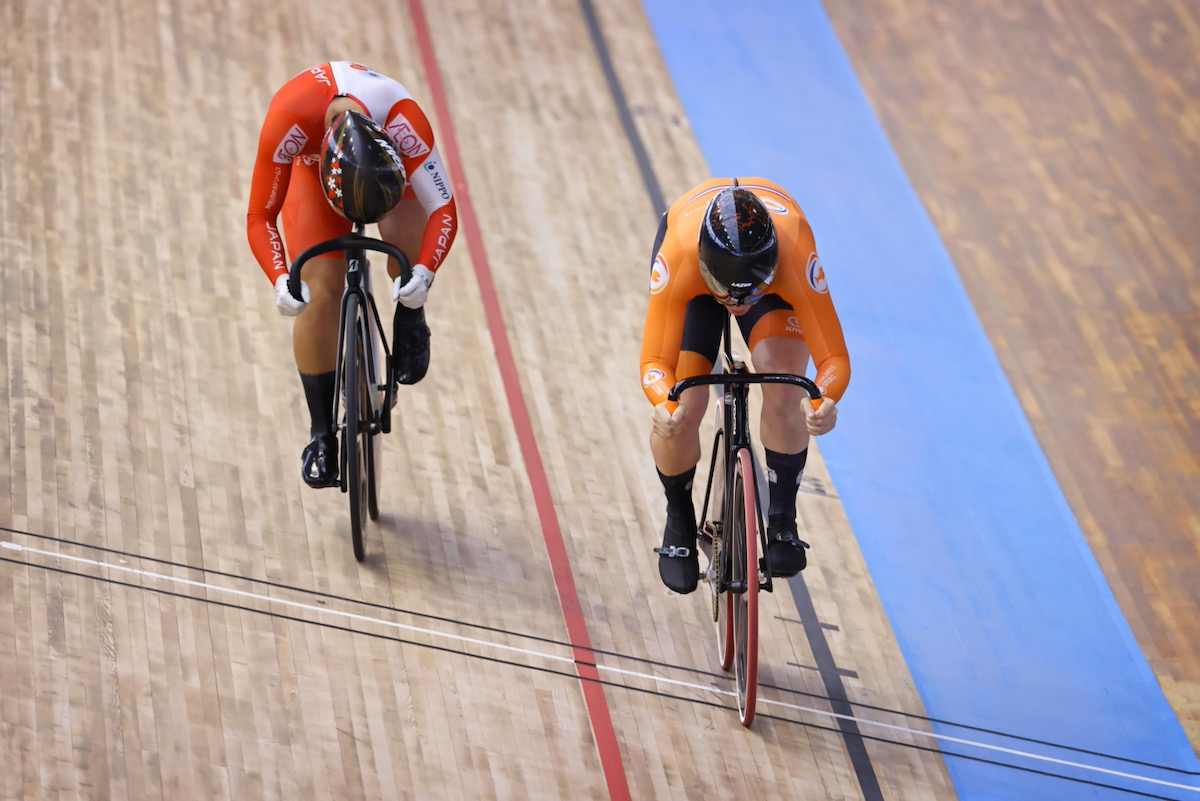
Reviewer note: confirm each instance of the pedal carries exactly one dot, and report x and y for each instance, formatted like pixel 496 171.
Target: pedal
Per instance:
pixel 704 541
pixel 709 534
pixel 764 581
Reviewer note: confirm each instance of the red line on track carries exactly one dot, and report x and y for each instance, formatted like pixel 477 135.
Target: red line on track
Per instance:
pixel 564 579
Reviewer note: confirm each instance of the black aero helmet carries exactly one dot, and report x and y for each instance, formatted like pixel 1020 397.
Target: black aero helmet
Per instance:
pixel 738 248
pixel 360 169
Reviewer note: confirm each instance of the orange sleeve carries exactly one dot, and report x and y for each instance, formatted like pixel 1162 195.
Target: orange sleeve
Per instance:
pixel 663 331
pixel 268 188
pixel 819 319
pixel 409 128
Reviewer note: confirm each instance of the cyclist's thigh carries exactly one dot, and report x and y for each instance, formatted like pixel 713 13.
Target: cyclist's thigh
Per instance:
pixel 306 217
pixel 773 321
pixel 703 324
pixel 404 227
pixel 771 317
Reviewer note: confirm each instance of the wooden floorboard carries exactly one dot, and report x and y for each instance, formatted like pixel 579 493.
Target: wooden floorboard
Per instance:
pixel 150 407
pixel 1055 146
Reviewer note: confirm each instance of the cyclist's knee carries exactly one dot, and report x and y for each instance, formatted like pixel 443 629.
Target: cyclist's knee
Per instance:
pixel 780 355
pixel 326 278
pixel 326 295
pixel 695 402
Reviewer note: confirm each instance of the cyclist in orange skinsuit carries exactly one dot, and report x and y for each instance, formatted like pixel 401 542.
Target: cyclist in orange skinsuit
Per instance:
pixel 743 247
pixel 287 182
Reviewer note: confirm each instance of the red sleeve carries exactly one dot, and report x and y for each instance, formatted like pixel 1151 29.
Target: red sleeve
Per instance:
pixel 292 128
pixel 409 128
pixel 268 187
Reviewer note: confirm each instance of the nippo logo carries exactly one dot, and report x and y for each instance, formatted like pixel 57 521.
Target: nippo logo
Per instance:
pixel 290 146
pixel 816 275
pixel 660 274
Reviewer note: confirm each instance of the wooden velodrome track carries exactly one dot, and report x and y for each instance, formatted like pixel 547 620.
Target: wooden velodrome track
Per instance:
pixel 187 621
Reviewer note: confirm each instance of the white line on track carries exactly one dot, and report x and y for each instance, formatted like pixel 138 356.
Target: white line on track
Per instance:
pixel 12 546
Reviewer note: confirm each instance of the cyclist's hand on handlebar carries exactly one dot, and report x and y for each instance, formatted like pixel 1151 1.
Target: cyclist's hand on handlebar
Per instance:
pixel 664 423
pixel 820 419
pixel 287 305
pixel 413 294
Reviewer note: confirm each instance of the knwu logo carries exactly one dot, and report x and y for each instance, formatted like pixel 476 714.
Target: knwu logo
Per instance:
pixel 291 145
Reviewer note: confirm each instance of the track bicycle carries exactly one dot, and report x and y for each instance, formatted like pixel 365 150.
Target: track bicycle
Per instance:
pixel 363 383
pixel 734 536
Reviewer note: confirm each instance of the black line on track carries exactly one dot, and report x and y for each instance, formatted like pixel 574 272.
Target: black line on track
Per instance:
pixel 577 677
pixel 716 677
pixel 649 178
pixel 830 674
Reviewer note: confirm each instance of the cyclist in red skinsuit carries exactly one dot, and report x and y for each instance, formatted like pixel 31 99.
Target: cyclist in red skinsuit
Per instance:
pixel 286 183
pixel 743 247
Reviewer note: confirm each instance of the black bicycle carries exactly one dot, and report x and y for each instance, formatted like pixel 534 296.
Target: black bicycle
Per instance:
pixel 735 535
pixel 365 388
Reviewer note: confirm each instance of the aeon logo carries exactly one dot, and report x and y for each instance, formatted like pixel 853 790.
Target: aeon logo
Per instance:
pixel 406 138
pixel 290 146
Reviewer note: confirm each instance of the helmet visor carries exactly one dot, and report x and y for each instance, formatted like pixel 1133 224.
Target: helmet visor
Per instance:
pixel 737 296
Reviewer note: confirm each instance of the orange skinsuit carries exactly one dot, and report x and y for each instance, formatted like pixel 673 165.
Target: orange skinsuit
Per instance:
pixel 287 176
pixel 798 298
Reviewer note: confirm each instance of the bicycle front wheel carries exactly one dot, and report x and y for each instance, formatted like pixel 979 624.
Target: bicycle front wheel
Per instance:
pixel 357 432
pixel 722 601
pixel 743 545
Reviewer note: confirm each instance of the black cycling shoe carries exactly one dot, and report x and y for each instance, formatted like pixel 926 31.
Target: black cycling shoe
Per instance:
pixel 785 549
pixel 410 345
pixel 320 461
pixel 678 562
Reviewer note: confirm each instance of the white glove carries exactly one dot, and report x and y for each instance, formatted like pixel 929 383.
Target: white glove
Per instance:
pixel 413 294
pixel 287 305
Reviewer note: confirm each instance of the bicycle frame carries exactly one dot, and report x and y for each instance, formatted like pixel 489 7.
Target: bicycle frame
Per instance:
pixel 735 380
pixel 358 283
pixel 739 566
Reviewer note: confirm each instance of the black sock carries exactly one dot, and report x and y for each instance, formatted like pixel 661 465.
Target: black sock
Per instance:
pixel 318 390
pixel 679 492
pixel 784 471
